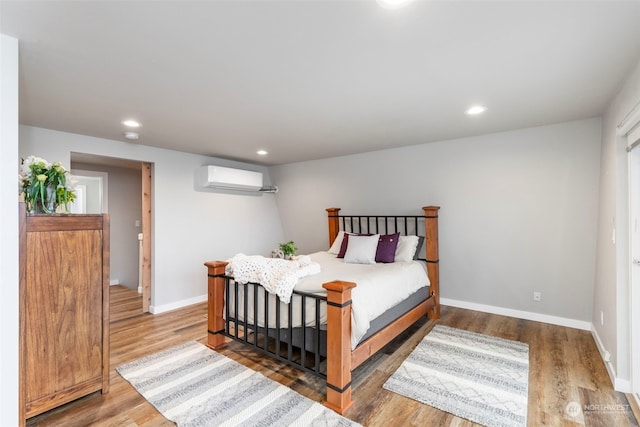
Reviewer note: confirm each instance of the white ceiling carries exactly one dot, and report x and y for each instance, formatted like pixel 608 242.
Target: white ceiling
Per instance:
pixel 315 79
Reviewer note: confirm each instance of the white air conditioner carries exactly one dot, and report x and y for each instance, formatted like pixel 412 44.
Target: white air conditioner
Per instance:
pixel 229 178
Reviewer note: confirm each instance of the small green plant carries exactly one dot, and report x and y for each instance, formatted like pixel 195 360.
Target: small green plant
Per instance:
pixel 288 249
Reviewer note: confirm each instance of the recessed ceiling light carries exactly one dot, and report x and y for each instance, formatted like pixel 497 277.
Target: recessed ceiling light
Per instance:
pixel 262 152
pixel 131 123
pixel 393 4
pixel 476 109
pixel 131 135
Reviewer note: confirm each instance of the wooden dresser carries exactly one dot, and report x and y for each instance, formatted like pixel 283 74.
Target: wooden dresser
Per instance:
pixel 64 309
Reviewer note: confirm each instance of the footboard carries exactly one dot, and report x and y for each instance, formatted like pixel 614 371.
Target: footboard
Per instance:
pixel 294 333
pixel 252 328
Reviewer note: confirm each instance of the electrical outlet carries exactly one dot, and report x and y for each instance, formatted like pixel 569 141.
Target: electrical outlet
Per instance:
pixel 537 296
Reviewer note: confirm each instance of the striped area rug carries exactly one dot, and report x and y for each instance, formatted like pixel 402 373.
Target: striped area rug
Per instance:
pixel 193 385
pixel 481 378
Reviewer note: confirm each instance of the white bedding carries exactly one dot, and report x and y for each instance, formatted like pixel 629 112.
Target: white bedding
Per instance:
pixel 379 287
pixel 278 276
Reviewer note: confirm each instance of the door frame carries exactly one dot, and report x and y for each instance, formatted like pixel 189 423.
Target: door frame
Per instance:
pixel 633 149
pixel 146 170
pixel 634 260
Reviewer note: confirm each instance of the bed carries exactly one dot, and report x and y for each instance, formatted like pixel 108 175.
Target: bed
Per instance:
pixel 316 330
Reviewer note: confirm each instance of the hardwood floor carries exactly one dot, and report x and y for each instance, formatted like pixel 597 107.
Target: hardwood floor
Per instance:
pixel 564 367
pixel 124 303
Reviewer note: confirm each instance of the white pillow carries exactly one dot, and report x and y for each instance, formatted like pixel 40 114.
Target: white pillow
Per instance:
pixel 335 248
pixel 362 249
pixel 406 249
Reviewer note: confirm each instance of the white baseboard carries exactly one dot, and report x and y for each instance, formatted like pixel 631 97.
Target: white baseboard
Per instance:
pixel 605 356
pixel 527 315
pixel 623 386
pixel 157 309
pixel 114 282
pixel 619 384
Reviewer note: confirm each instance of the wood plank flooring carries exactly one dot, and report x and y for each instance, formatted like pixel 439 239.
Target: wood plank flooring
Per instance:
pixel 124 303
pixel 564 367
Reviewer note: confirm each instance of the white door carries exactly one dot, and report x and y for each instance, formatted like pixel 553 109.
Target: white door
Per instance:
pixel 633 138
pixel 91 192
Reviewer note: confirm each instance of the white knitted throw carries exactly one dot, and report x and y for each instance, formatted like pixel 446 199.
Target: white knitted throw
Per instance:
pixel 277 276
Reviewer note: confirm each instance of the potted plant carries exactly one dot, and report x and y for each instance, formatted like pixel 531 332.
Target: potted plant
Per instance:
pixel 288 249
pixel 45 185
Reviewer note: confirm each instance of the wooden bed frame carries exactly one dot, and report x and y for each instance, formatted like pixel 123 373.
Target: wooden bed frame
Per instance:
pixel 341 360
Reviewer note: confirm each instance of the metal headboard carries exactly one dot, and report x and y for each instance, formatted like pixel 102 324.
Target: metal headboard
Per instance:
pixel 406 225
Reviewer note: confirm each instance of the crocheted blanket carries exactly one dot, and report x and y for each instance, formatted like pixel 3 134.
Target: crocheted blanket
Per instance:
pixel 277 276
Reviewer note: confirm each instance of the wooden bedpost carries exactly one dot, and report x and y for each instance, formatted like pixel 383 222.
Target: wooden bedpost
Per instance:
pixel 338 345
pixel 215 321
pixel 334 223
pixel 432 255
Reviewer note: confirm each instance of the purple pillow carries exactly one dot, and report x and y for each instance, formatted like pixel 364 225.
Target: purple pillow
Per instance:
pixel 345 242
pixel 387 245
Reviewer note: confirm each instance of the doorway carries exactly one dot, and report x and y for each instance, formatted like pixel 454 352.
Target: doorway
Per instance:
pixel 92 188
pixel 124 188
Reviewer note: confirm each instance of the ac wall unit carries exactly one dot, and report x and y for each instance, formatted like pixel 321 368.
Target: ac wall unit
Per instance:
pixel 229 178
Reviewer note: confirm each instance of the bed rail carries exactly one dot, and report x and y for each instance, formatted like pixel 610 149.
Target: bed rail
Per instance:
pixel 248 319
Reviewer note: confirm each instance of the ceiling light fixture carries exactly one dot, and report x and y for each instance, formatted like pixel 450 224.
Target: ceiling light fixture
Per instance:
pixel 262 152
pixel 476 109
pixel 132 135
pixel 131 123
pixel 393 4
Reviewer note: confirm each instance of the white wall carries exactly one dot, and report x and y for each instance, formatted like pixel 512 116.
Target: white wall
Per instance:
pixel 611 292
pixel 518 211
pixel 9 230
pixel 190 226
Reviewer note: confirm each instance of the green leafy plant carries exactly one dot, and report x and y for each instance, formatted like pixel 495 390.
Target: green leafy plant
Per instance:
pixel 45 185
pixel 288 249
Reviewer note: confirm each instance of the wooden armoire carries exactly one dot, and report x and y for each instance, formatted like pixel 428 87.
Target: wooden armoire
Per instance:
pixel 64 309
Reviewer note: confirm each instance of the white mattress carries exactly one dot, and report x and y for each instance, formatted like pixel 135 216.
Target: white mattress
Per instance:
pixel 379 287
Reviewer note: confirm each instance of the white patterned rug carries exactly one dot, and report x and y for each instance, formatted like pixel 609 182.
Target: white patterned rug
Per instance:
pixel 193 385
pixel 474 376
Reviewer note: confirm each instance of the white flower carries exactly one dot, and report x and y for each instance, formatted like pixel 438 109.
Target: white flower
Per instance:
pixel 25 171
pixel 33 159
pixel 25 168
pixel 59 168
